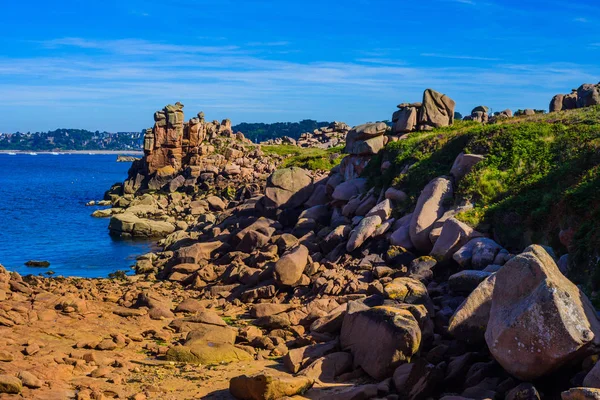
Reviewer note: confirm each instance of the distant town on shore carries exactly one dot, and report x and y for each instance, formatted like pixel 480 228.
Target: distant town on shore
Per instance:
pixel 81 139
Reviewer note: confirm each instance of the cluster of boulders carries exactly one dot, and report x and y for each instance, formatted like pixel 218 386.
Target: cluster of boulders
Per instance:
pixel 359 294
pixel 362 143
pixel 202 159
pixel 73 338
pixel 178 153
pixel 327 137
pixel 435 111
pixel 585 95
pixel 481 114
pixel 344 286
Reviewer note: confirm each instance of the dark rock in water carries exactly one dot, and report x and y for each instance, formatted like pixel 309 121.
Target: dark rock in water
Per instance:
pixel 38 264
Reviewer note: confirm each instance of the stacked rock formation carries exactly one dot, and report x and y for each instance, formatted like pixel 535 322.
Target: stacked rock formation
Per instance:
pixel 362 142
pixel 405 119
pixel 435 111
pixel 173 146
pixel 478 114
pixel 585 96
pixel 171 142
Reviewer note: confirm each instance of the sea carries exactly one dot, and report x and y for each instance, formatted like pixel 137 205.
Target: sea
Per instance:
pixel 43 215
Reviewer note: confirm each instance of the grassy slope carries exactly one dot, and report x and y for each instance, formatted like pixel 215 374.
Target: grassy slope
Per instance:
pixel 540 174
pixel 308 158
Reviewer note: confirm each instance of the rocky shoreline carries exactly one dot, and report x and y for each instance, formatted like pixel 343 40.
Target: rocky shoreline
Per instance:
pixel 288 283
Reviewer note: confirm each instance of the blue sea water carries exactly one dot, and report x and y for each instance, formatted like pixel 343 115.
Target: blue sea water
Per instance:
pixel 43 215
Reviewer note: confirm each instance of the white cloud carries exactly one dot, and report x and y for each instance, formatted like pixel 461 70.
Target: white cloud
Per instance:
pixel 459 57
pixel 141 76
pixel 136 46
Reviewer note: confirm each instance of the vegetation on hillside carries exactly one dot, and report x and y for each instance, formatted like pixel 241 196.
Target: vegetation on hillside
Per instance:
pixel 260 132
pixel 307 157
pixel 540 175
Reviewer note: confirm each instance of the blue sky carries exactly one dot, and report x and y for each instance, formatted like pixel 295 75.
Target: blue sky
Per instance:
pixel 108 65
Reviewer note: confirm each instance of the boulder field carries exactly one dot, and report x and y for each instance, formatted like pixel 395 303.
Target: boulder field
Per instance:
pixel 277 283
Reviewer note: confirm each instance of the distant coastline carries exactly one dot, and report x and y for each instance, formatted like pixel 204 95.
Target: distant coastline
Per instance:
pixel 100 152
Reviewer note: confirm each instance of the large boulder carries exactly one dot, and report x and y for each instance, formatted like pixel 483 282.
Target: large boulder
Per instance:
pixel 570 101
pixel 539 320
pixel 288 188
pixel 128 224
pixel 453 236
pixel 368 146
pixel 380 339
pixel 289 268
pixel 588 95
pixel 556 104
pixel 431 205
pixel 364 132
pixel 366 139
pixel 406 119
pixel 437 110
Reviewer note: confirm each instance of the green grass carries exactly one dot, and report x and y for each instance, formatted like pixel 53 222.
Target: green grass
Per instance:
pixel 306 157
pixel 231 321
pixel 540 174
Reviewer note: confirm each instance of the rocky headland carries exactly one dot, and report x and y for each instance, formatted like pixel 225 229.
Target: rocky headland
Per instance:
pixel 429 259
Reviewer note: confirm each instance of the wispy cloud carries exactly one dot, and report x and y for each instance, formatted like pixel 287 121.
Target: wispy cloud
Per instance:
pixel 459 57
pixel 136 46
pixel 140 76
pixel 269 44
pixel 581 20
pixel 382 61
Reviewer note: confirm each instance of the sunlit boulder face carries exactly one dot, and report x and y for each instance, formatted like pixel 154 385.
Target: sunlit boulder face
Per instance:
pixel 539 320
pixel 288 188
pixel 437 110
